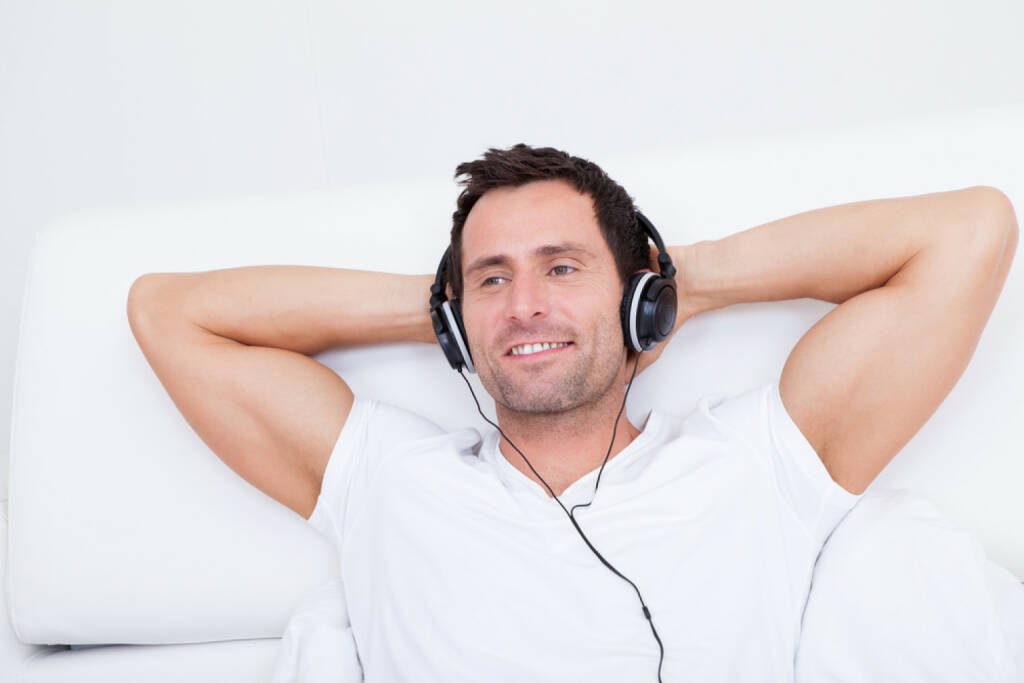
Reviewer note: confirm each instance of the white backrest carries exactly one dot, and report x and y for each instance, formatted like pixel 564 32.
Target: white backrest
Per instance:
pixel 126 528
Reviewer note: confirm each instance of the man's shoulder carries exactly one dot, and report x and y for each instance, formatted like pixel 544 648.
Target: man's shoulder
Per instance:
pixel 737 416
pixel 388 415
pixel 382 426
pixel 378 440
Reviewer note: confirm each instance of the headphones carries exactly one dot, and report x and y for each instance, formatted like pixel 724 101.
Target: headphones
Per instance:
pixel 647 311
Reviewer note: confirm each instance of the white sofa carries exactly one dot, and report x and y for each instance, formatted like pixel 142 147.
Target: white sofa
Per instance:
pixel 134 554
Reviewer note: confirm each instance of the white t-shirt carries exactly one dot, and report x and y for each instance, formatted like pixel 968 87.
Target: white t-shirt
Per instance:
pixel 457 567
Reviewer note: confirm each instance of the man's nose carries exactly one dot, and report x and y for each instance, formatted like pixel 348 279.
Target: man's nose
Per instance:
pixel 527 298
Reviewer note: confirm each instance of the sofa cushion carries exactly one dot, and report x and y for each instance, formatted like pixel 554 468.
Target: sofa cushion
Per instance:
pixel 240 661
pixel 13 653
pixel 126 528
pixel 901 593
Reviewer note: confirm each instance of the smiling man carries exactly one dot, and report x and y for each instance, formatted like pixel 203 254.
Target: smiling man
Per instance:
pixel 574 545
pixel 539 272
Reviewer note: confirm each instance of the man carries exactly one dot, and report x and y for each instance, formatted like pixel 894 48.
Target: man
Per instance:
pixel 458 559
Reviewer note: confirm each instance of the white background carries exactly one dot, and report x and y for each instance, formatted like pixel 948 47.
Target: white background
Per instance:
pixel 118 101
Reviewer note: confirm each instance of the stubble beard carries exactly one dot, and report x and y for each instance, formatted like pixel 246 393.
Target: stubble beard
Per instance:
pixel 591 376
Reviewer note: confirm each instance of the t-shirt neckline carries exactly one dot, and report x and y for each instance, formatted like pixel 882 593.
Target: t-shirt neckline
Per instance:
pixel 581 489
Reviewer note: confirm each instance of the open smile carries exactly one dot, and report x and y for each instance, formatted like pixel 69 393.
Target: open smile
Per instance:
pixel 537 348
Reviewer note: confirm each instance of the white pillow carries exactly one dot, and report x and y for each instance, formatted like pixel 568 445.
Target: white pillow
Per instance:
pixel 900 593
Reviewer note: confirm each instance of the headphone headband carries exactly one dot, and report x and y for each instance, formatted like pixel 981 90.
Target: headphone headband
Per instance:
pixel 664 260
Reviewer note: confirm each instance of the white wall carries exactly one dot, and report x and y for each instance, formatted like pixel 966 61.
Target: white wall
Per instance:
pixel 112 102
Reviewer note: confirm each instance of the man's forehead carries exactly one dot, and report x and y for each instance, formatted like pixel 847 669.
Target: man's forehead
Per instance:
pixel 528 217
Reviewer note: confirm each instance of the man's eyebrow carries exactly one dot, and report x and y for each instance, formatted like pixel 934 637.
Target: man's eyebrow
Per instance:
pixel 563 248
pixel 485 262
pixel 545 250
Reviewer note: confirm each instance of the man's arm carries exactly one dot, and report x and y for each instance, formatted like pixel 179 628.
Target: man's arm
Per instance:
pixel 915 278
pixel 232 349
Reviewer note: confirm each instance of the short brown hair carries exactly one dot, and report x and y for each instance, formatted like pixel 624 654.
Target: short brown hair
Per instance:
pixel 522 164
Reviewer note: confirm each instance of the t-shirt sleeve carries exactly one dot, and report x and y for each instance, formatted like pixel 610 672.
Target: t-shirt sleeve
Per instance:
pixel 373 430
pixel 760 418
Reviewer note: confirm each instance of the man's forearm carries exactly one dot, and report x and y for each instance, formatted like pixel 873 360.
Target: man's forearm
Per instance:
pixel 301 308
pixel 832 254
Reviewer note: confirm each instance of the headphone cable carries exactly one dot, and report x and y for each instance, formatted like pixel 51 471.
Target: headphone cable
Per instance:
pixel 572 518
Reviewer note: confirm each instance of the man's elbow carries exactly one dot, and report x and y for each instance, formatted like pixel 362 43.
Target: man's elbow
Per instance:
pixel 987 227
pixel 150 300
pixel 997 209
pixel 993 236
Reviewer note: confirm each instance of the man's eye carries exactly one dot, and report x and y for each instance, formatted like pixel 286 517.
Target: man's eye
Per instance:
pixel 562 270
pixel 494 280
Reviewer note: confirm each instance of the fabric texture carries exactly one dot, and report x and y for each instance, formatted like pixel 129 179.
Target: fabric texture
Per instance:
pixel 900 593
pixel 457 567
pixel 317 645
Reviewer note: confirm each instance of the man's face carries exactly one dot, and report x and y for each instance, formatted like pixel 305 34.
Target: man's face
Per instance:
pixel 536 270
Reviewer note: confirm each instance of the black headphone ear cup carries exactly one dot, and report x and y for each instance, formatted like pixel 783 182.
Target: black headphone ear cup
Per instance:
pixel 444 337
pixel 648 310
pixel 657 316
pixel 446 318
pixel 627 311
pixel 459 335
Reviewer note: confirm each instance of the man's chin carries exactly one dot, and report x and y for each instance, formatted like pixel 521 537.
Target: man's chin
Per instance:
pixel 542 407
pixel 535 400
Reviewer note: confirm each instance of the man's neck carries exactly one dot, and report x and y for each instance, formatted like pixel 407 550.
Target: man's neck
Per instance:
pixel 563 447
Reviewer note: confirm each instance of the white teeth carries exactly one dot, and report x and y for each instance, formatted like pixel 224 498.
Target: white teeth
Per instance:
pixel 527 349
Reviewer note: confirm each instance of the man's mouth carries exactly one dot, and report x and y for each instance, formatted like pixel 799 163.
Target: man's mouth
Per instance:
pixel 538 347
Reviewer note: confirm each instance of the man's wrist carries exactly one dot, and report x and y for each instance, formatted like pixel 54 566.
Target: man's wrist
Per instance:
pixel 688 288
pixel 415 325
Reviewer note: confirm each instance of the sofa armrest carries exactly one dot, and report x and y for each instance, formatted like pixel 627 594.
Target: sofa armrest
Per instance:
pixel 13 652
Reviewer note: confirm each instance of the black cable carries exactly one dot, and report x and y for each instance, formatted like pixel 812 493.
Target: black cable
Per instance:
pixel 572 518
